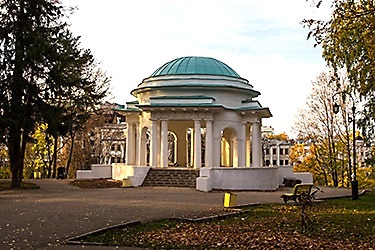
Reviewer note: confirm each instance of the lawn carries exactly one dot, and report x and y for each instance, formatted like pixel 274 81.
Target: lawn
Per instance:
pixel 336 224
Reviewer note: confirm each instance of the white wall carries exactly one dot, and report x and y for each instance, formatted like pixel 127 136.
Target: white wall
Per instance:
pixel 97 171
pixel 253 178
pixel 136 175
pixel 287 171
pixel 121 171
pixel 265 179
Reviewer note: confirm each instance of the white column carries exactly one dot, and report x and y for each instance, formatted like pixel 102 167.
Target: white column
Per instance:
pixel 248 147
pixel 164 144
pixel 209 145
pixel 234 152
pixel 197 144
pixel 154 145
pixel 130 145
pixel 257 145
pixel 241 143
pixel 136 139
pixel 192 153
pixel 141 161
pixel 278 155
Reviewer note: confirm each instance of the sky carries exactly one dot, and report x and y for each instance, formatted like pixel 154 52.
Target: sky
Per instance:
pixel 263 41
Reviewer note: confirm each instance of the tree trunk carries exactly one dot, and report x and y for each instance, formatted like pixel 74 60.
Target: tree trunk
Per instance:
pixel 342 176
pixel 335 178
pixel 16 131
pixel 54 158
pixel 325 177
pixel 72 138
pixel 50 159
pixel 348 177
pixel 16 155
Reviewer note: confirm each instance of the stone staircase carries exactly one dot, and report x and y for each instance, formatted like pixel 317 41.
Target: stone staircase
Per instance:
pixel 171 177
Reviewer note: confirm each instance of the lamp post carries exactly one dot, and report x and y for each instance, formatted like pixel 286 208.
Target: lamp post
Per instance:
pixel 353 178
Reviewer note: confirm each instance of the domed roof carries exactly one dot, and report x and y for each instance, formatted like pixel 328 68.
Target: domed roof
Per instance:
pixel 193 65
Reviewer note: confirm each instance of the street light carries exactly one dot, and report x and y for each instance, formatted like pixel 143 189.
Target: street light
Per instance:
pixel 354 182
pixel 336 108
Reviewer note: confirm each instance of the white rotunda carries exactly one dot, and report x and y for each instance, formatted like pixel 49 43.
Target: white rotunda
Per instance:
pixel 197 112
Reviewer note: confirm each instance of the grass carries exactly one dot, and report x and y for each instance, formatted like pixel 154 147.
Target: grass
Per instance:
pixel 6 185
pixel 336 224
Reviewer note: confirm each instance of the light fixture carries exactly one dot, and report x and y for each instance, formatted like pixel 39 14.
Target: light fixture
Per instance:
pixel 336 108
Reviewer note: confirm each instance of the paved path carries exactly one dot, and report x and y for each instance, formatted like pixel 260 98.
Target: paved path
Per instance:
pixel 45 218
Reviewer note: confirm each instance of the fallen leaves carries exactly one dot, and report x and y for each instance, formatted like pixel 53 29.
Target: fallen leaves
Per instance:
pixel 96 183
pixel 236 236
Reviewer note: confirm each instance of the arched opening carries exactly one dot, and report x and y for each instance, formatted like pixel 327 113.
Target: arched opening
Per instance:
pixel 189 147
pixel 228 148
pixel 144 151
pixel 172 149
pixel 148 147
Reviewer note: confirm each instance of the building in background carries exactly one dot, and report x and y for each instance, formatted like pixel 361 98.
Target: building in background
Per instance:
pixel 276 153
pixel 108 135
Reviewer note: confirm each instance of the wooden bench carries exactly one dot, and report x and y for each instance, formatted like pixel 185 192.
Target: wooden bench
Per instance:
pixel 301 193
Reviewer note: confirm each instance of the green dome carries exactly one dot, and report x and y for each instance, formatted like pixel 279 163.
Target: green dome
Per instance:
pixel 193 65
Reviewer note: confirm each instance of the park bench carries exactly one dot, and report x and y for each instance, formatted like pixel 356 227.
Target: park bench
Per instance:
pixel 303 195
pixel 300 193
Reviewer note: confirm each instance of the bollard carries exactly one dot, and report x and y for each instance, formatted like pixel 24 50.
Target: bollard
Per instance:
pixel 230 200
pixel 126 182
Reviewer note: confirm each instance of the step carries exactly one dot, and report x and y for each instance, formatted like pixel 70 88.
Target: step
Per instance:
pixel 171 177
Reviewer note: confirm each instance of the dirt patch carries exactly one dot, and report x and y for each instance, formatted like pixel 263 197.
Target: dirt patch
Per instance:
pixel 97 183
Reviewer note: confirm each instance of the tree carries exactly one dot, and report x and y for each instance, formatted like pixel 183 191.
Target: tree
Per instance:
pixel 348 43
pixel 279 137
pixel 39 152
pixel 323 129
pixel 44 76
pixel 4 162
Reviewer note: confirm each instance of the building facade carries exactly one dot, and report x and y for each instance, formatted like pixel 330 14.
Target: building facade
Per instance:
pixel 276 153
pixel 108 135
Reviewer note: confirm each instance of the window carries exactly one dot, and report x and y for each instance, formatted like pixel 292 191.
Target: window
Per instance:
pixel 281 151
pixel 274 162
pixel 286 162
pixel 286 151
pixel 267 162
pixel 274 151
pixel 281 162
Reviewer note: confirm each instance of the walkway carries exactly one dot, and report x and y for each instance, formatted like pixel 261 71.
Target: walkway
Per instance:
pixel 45 218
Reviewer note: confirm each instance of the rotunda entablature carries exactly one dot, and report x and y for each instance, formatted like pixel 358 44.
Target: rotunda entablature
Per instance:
pixel 227 91
pixel 194 81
